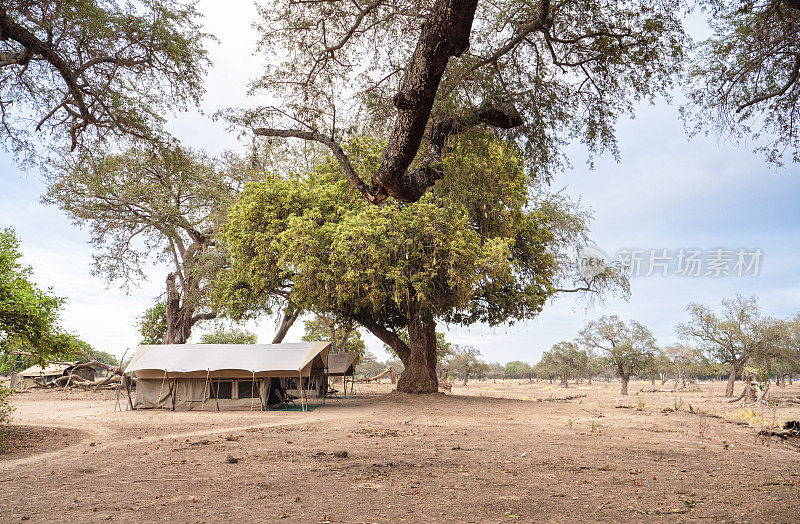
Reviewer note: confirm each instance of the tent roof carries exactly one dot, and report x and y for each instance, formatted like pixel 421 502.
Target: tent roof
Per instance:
pixel 49 369
pixel 340 363
pixel 255 358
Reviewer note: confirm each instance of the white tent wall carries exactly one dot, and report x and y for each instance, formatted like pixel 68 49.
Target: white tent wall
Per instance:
pixel 180 376
pixel 192 394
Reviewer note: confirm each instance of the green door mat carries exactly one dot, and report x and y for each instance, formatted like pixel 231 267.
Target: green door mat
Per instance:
pixel 298 407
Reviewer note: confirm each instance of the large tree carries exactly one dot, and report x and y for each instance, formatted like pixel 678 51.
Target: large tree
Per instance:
pixel 29 315
pixel 481 248
pixel 732 336
pixel 745 75
pixel 628 348
pixel 149 204
pixel 541 72
pixel 87 69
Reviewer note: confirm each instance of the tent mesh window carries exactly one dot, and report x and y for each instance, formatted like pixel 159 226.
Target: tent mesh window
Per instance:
pixel 248 388
pixel 222 388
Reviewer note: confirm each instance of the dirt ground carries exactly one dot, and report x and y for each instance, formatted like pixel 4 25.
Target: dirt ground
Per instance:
pixel 509 451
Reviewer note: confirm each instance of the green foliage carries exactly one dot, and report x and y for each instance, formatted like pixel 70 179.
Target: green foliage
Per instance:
pixel 732 336
pixel 229 336
pixel 343 333
pixel 571 74
pixel 517 369
pixel 148 202
pixel 152 324
pixel 118 69
pixel 565 360
pixel 443 257
pixel 744 77
pixel 628 348
pixel 369 366
pixel 28 315
pixel 464 362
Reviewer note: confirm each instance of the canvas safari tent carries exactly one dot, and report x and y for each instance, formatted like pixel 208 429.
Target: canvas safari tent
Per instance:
pixel 227 376
pixel 48 373
pixel 343 364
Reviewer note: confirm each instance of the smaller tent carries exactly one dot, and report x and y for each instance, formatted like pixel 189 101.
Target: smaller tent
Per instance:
pixel 225 376
pixel 48 373
pixel 343 364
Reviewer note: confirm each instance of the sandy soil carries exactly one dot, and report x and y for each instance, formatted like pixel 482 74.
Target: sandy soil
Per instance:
pixel 510 451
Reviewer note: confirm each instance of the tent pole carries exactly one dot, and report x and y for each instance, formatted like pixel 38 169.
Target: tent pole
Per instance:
pixel 215 394
pixel 205 389
pixel 128 387
pixel 161 390
pixel 174 390
pixel 260 397
pixel 252 386
pixel 303 400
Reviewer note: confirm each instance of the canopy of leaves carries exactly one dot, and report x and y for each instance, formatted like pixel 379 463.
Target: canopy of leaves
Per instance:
pixel 732 336
pixel 344 334
pixel 628 348
pixel 229 336
pixel 571 68
pixel 458 255
pixel 464 362
pixel 29 315
pixel 745 76
pixel 152 324
pixel 148 200
pixel 87 69
pixel 518 369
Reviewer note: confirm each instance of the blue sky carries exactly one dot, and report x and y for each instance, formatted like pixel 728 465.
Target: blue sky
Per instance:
pixel 669 191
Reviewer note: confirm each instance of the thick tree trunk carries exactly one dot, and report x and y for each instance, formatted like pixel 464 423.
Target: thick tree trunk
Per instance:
pixel 290 315
pixel 419 375
pixel 731 382
pixel 180 318
pixel 624 381
pixel 178 328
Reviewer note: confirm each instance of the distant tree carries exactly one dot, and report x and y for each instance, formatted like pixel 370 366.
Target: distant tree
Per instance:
pixel 464 362
pixel 745 76
pixel 518 369
pixel 29 315
pixel 567 360
pixel 153 203
pixel 495 370
pixel 229 336
pixel 628 348
pixel 683 361
pixel 152 325
pixel 730 337
pixel 369 366
pixel 95 69
pixel 344 333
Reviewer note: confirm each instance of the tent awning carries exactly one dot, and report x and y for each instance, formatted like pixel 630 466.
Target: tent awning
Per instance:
pixel 48 370
pixel 340 363
pixel 251 358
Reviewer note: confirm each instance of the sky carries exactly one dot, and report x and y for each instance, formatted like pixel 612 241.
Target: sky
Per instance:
pixel 669 191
